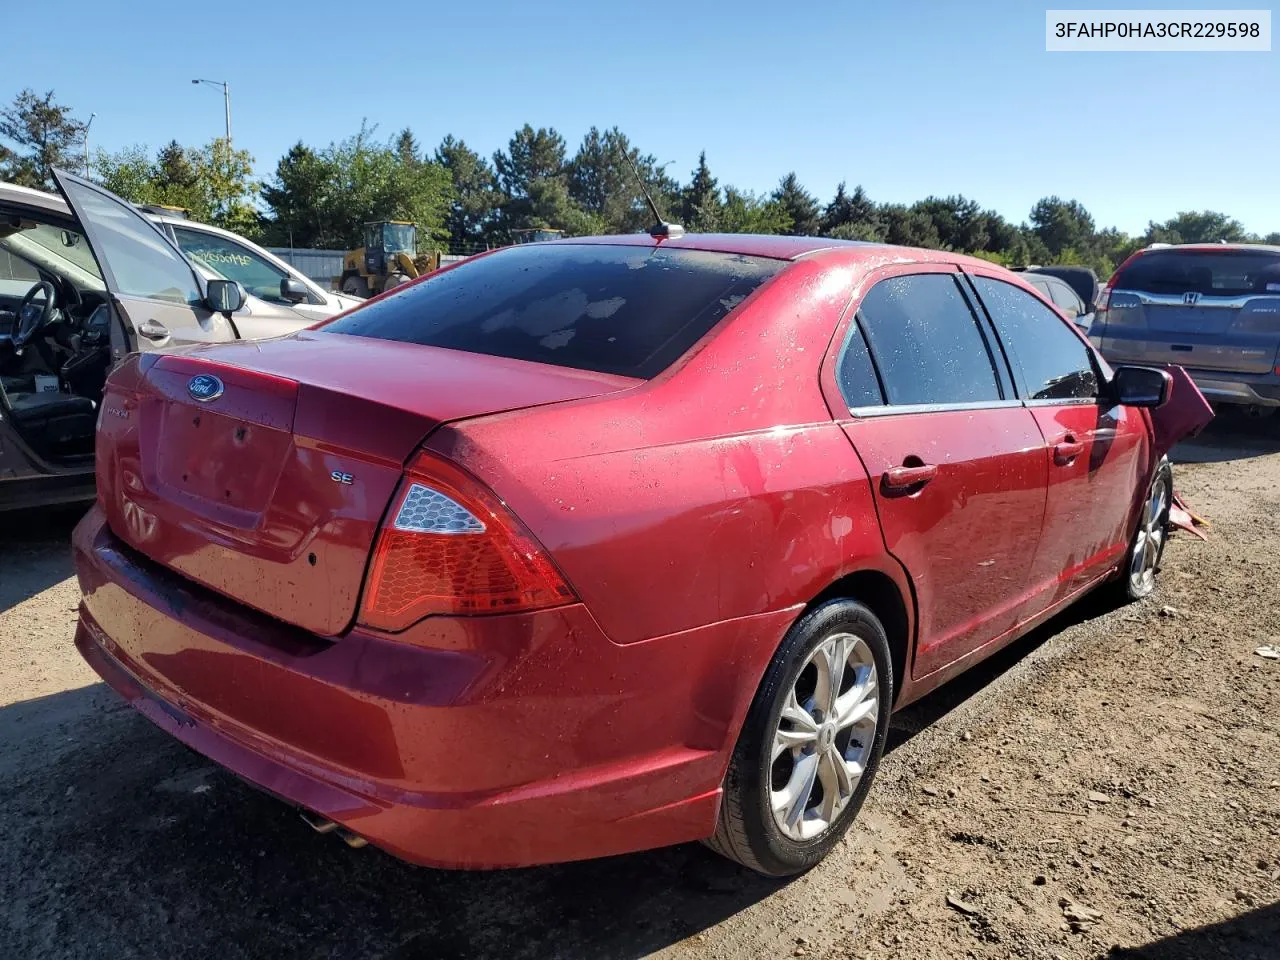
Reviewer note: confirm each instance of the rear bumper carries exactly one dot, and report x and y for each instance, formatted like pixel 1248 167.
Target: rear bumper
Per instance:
pixel 1261 390
pixel 466 742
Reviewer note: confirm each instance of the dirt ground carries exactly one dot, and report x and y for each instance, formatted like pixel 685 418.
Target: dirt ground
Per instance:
pixel 1107 787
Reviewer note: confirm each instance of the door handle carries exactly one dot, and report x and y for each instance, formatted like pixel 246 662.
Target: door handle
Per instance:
pixel 1067 451
pixel 906 477
pixel 153 329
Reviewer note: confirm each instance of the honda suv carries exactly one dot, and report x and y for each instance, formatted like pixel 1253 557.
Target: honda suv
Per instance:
pixel 1214 309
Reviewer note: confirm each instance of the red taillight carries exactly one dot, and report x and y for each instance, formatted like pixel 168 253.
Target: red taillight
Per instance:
pixel 450 546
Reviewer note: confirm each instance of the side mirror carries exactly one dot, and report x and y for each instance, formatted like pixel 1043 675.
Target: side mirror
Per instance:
pixel 224 297
pixel 1141 386
pixel 70 239
pixel 292 290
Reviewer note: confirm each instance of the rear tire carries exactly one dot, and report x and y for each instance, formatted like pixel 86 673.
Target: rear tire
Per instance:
pixel 809 747
pixel 355 286
pixel 1146 547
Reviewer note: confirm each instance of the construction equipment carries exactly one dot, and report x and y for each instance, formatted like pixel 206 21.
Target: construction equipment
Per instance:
pixel 388 258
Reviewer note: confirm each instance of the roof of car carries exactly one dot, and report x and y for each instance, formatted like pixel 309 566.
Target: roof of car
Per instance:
pixel 777 247
pixel 12 193
pixel 1214 247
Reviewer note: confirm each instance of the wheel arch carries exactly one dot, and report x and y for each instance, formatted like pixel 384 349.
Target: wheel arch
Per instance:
pixel 894 606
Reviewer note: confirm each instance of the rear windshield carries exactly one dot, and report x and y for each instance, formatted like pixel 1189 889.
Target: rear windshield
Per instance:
pixel 613 309
pixel 1226 274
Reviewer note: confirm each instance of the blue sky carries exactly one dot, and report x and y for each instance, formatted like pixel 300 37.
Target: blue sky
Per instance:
pixel 908 99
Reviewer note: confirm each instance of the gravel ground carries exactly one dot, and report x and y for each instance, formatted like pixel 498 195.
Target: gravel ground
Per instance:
pixel 1107 787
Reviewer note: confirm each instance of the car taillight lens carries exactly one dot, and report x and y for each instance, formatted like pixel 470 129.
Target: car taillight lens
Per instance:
pixel 1104 298
pixel 451 546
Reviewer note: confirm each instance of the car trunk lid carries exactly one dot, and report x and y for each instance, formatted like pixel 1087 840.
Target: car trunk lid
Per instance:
pixel 262 470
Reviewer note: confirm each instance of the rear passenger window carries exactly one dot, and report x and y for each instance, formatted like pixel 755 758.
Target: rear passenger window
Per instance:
pixel 926 342
pixel 1066 298
pixel 856 374
pixel 1049 360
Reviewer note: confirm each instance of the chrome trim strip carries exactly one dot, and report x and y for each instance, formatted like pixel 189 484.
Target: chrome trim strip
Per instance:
pixel 1205 300
pixel 889 409
pixel 1065 402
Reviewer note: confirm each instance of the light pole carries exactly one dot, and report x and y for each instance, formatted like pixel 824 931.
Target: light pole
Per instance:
pixel 226 100
pixel 87 171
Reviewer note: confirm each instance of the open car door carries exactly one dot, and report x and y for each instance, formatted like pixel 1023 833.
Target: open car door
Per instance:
pixel 1184 414
pixel 159 298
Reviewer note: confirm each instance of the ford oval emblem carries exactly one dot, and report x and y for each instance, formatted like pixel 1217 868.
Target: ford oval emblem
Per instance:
pixel 205 387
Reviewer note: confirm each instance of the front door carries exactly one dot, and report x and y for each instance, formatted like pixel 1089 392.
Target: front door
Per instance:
pixel 956 462
pixel 1095 450
pixel 151 284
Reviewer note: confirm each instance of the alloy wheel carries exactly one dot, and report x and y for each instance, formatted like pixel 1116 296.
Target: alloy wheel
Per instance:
pixel 1150 538
pixel 824 737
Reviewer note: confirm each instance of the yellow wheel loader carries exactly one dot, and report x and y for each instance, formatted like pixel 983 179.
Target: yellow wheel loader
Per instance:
pixel 388 258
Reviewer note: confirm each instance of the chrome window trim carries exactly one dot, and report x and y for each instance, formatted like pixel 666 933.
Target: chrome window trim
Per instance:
pixel 1065 402
pixel 889 409
pixel 1205 300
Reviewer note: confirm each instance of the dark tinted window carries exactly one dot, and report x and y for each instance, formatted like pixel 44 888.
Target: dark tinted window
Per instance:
pixel 926 341
pixel 1066 298
pixel 613 309
pixel 855 372
pixel 1230 273
pixel 1049 360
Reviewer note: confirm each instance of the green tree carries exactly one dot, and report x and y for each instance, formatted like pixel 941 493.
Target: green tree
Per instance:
pixel 299 198
pixel 406 147
pixel 326 196
pixel 960 223
pixel 129 173
pixel 214 184
pixel 1061 223
pixel 603 184
pixel 908 226
pixel 1001 234
pixel 41 134
pixel 800 206
pixel 174 169
pixel 745 212
pixel 476 197
pixel 1272 238
pixel 850 216
pixel 1197 226
pixel 701 206
pixel 531 155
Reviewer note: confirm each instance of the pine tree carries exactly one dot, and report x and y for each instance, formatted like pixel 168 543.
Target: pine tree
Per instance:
pixel 800 206
pixel 701 208
pixel 42 135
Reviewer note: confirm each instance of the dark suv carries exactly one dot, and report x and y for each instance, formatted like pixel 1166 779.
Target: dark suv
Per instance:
pixel 1212 308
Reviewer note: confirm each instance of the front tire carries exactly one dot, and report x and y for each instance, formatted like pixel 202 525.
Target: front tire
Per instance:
pixel 1147 546
pixel 811 743
pixel 355 285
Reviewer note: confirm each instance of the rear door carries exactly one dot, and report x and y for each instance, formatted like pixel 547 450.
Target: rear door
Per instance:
pixel 956 462
pixel 1205 309
pixel 1097 452
pixel 152 285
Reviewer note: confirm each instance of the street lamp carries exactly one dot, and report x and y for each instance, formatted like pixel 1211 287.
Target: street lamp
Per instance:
pixel 226 99
pixel 87 170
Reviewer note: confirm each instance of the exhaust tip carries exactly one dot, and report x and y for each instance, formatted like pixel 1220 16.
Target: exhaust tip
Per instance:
pixel 324 825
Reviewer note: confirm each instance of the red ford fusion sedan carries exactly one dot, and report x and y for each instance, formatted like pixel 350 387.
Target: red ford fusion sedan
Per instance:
pixel 597 545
